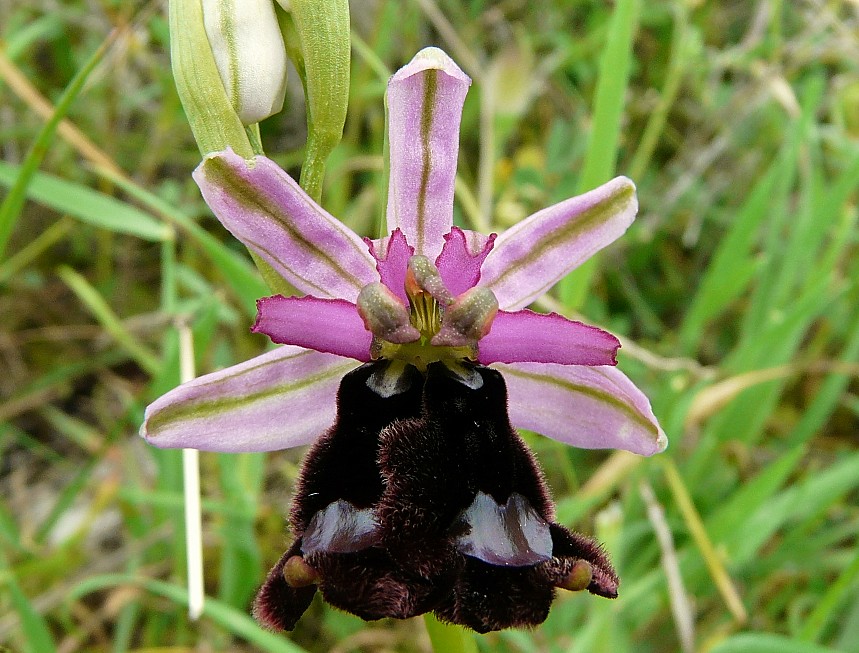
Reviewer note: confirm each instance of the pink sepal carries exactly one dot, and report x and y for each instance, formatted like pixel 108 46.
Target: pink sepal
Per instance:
pixel 327 325
pixel 586 407
pixel 546 338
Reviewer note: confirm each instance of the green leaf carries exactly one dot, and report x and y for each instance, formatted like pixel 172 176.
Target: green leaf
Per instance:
pixel 766 643
pixel 214 122
pixel 235 621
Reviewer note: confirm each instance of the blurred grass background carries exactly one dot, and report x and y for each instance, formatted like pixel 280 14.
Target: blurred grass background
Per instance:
pixel 735 294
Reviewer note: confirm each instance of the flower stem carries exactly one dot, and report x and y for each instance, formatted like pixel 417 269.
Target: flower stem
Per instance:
pixel 448 638
pixel 313 168
pixel 191 476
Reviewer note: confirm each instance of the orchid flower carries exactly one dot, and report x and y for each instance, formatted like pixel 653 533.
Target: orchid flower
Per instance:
pixel 418 349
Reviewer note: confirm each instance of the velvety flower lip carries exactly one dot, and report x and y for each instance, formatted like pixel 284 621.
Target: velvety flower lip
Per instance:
pixel 463 524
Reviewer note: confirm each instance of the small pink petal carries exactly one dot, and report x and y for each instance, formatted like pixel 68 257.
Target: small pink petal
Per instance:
pixel 284 398
pixel 546 338
pixel 392 255
pixel 327 325
pixel 530 257
pixel 458 264
pixel 586 407
pixel 267 210
pixel 424 100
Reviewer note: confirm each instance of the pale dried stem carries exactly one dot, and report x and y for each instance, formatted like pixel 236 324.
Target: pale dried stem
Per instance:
pixel 472 65
pixel 461 52
pixel 28 94
pixel 712 559
pixel 681 607
pixel 191 477
pixel 715 397
pixel 617 467
pixel 636 351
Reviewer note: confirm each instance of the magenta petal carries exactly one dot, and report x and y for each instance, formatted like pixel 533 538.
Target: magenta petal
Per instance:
pixel 266 209
pixel 585 407
pixel 546 338
pixel 284 398
pixel 392 254
pixel 327 325
pixel 458 264
pixel 424 100
pixel 530 257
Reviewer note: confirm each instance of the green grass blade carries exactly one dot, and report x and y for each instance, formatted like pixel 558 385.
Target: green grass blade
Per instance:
pixel 108 319
pixel 785 226
pixel 87 205
pixel 34 628
pixel 241 561
pixel 11 207
pixel 32 250
pixel 682 47
pixel 236 271
pixel 766 643
pixel 601 158
pixel 446 638
pixel 826 608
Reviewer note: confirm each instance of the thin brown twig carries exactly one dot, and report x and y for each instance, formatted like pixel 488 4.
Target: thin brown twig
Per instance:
pixel 633 350
pixel 30 95
pixel 460 49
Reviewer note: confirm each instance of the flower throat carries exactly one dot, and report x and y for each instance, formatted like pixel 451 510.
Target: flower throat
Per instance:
pixel 443 328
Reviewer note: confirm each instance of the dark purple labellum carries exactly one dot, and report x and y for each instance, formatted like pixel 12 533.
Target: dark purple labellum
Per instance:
pixel 428 500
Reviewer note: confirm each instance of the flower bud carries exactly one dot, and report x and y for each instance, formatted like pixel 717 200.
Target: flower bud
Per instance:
pixel 250 55
pixel 214 122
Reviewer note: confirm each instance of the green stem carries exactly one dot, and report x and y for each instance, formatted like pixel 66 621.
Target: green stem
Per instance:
pixel 313 169
pixel 252 132
pixel 681 46
pixel 448 639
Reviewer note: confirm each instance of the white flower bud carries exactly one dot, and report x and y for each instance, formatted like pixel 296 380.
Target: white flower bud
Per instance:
pixel 249 53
